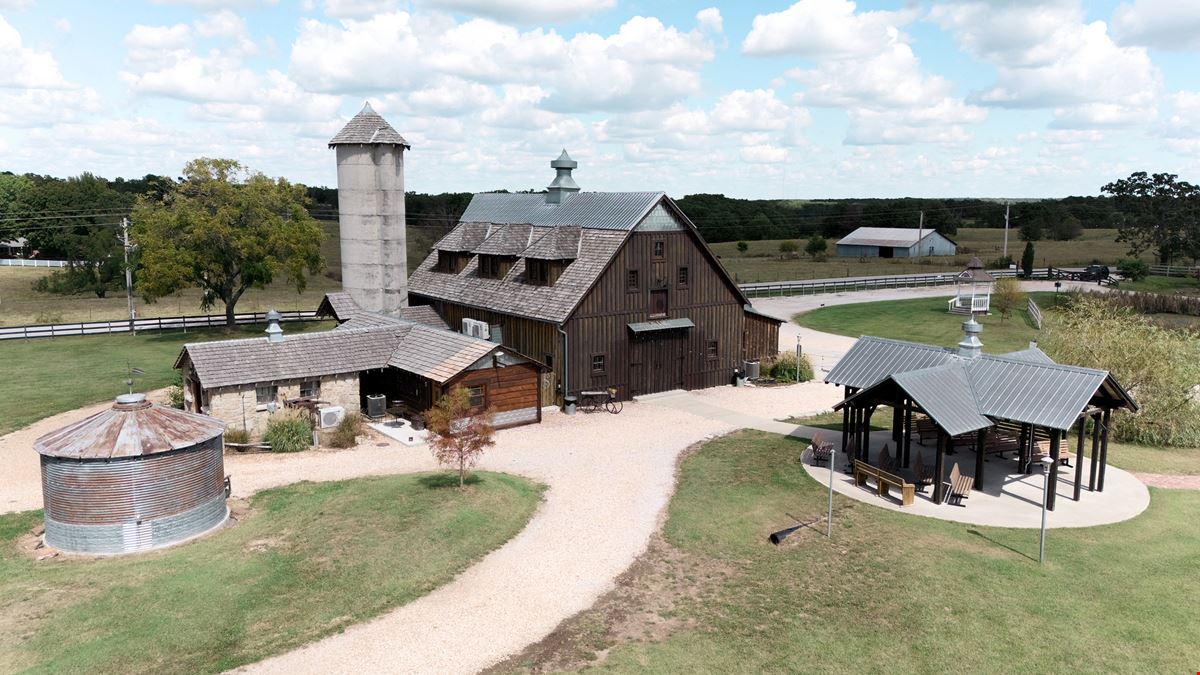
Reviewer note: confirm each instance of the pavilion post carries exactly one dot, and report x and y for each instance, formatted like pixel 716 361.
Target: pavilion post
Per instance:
pixel 1030 448
pixel 866 433
pixel 846 423
pixel 939 489
pixel 897 421
pixel 1055 435
pixel 907 431
pixel 1079 457
pixel 1095 452
pixel 980 443
pixel 1104 447
pixel 1023 445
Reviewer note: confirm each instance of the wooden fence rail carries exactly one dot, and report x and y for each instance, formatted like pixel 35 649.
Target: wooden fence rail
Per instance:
pixel 1174 270
pixel 165 323
pixel 1035 313
pixel 813 286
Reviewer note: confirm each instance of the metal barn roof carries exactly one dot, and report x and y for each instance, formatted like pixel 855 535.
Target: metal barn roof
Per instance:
pixel 886 236
pixel 132 427
pixel 590 210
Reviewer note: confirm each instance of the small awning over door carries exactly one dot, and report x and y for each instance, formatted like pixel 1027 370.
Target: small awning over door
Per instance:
pixel 661 324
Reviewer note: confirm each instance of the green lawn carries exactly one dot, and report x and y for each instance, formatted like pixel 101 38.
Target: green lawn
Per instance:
pixel 891 591
pixel 880 421
pixel 44 376
pixel 1162 285
pixel 307 561
pixel 761 261
pixel 1177 461
pixel 924 320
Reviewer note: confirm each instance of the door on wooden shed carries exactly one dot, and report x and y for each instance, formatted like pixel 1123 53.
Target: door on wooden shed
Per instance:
pixel 656 361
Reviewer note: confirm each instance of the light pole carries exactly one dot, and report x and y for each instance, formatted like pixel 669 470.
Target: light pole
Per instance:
pixel 1045 462
pixel 829 520
pixel 798 358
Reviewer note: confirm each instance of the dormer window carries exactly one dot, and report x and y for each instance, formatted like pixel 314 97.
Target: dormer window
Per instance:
pixel 537 271
pixel 495 266
pixel 452 262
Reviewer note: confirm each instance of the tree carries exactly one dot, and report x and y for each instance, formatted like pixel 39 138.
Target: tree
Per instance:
pixel 1066 228
pixel 1031 230
pixel 458 433
pixel 742 247
pixel 1160 213
pixel 1027 260
pixel 788 248
pixel 816 245
pixel 1157 366
pixel 225 229
pixel 1007 296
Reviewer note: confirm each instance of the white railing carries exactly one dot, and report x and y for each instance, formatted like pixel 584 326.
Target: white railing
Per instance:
pixel 811 286
pixel 1174 270
pixel 1035 313
pixel 34 262
pixel 164 323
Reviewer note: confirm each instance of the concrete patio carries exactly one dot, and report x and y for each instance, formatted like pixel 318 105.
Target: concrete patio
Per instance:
pixel 1008 498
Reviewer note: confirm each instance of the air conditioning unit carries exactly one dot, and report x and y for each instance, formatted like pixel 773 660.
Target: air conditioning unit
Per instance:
pixel 330 416
pixel 476 329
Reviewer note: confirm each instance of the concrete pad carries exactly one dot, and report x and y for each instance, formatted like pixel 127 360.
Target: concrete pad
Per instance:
pixel 1008 499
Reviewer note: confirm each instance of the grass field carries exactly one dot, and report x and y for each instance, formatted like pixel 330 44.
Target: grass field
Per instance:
pixel 761 262
pixel 1163 285
pixel 890 590
pixel 307 561
pixel 43 377
pixel 924 320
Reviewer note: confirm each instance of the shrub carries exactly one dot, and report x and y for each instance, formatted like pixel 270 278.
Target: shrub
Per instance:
pixel 1133 269
pixel 288 431
pixel 346 433
pixel 175 391
pixel 999 263
pixel 239 436
pixel 783 368
pixel 1007 296
pixel 816 246
pixel 788 248
pixel 742 247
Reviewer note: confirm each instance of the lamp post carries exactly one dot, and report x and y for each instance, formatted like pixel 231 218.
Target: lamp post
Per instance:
pixel 1045 463
pixel 829 519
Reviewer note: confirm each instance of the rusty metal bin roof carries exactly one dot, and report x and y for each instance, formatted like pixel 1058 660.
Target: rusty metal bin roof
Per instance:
pixel 132 427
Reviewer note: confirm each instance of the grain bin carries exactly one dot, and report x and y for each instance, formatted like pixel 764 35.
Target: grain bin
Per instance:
pixel 134 477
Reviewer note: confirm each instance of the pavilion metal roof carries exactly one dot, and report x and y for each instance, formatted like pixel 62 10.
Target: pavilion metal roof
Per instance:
pixel 960 393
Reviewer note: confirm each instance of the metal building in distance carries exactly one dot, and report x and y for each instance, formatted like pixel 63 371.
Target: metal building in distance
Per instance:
pixel 131 478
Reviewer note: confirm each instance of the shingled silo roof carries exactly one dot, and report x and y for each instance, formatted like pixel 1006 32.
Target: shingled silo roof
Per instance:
pixel 367 127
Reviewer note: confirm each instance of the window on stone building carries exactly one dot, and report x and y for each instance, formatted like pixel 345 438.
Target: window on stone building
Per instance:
pixel 264 394
pixel 310 389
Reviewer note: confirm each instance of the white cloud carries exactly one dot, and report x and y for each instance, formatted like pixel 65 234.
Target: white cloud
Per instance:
pixel 142 37
pixel 62 25
pixel 824 29
pixel 210 5
pixel 224 23
pixel 1055 61
pixel 357 9
pixel 525 11
pixel 709 19
pixel 25 66
pixel 16 5
pixel 1159 24
pixel 757 110
pixel 47 107
pixel 764 154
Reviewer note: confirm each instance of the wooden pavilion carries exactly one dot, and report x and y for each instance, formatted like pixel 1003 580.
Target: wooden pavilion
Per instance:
pixel 996 403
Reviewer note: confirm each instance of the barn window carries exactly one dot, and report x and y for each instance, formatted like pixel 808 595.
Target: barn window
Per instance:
pixel 550 361
pixel 660 250
pixel 598 364
pixel 711 349
pixel 537 271
pixel 477 395
pixel 632 283
pixel 264 394
pixel 310 389
pixel 683 277
pixel 452 262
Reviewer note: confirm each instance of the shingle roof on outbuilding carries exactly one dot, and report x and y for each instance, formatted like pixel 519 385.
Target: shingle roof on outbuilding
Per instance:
pixel 341 307
pixel 367 127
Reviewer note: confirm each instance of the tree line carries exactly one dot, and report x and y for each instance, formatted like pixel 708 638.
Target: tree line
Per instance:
pixel 224 228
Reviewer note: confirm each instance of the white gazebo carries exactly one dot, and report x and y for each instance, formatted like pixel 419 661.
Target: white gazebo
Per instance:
pixel 972 290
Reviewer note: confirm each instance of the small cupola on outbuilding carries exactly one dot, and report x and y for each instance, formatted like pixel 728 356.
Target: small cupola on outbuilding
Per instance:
pixel 971 347
pixel 563 183
pixel 273 331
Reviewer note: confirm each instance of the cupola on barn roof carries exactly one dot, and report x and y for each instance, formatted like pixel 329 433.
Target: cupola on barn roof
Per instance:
pixel 368 128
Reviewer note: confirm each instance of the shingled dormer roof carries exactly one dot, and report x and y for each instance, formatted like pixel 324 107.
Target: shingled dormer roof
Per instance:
pixel 509 239
pixel 368 128
pixel 560 243
pixel 465 238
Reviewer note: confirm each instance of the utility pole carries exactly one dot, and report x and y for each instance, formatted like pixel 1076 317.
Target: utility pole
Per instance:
pixel 920 233
pixel 1006 207
pixel 128 275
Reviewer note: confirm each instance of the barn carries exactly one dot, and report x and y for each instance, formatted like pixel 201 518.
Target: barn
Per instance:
pixel 608 289
pixel 894 242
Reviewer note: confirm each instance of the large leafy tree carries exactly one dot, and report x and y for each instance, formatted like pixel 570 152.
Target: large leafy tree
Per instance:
pixel 225 229
pixel 1160 213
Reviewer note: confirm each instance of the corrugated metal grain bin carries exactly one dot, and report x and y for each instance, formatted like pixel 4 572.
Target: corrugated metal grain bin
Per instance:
pixel 134 477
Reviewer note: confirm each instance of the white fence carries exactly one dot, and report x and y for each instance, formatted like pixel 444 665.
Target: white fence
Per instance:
pixel 813 286
pixel 21 262
pixel 1035 313
pixel 165 323
pixel 1174 270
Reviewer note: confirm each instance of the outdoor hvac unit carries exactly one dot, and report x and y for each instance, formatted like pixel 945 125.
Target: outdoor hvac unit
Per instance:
pixel 331 416
pixel 376 406
pixel 476 329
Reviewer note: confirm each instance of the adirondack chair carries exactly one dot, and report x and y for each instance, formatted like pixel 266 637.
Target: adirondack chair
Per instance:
pixel 885 460
pixel 821 450
pixel 921 476
pixel 960 486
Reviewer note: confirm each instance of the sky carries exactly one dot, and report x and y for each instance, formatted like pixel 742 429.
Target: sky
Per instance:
pixel 812 99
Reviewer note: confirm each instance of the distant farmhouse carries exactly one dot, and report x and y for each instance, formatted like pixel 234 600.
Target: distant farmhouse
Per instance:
pixel 530 298
pixel 608 289
pixel 894 242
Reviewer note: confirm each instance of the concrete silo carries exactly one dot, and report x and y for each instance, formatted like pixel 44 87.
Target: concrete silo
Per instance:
pixel 131 478
pixel 370 161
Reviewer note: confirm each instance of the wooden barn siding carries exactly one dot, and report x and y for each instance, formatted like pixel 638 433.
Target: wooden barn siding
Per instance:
pixel 509 388
pixel 600 323
pixel 762 338
pixel 530 337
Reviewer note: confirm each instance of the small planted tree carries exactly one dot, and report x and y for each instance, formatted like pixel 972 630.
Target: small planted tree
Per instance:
pixel 458 433
pixel 1007 296
pixel 816 246
pixel 742 247
pixel 1027 260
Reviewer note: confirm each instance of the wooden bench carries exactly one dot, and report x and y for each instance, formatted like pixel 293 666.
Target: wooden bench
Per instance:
pixel 960 485
pixel 821 450
pixel 884 481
